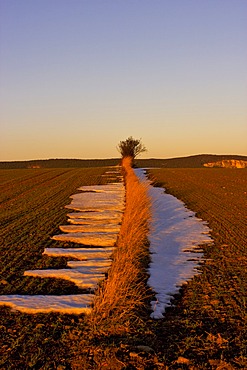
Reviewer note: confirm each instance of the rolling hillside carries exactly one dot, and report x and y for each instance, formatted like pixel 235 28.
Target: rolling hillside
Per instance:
pixel 194 161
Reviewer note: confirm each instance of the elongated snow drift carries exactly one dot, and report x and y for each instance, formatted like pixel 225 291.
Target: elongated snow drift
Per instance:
pixel 83 279
pixel 80 253
pixel 69 304
pixel 104 239
pixel 175 234
pixel 90 228
pixel 101 216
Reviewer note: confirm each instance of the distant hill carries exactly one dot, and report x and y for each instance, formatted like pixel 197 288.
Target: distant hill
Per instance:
pixel 60 163
pixel 194 161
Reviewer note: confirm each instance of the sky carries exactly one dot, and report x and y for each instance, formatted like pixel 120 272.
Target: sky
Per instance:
pixel 78 76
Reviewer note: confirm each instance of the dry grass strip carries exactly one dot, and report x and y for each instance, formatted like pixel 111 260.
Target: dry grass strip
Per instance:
pixel 124 292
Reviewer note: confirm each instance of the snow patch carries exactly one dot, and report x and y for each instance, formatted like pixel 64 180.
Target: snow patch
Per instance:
pixel 93 263
pixel 82 221
pixel 103 215
pixel 83 279
pixel 80 253
pixel 175 234
pixel 94 207
pixel 90 228
pixel 113 187
pixel 66 304
pixel 106 239
pixel 99 198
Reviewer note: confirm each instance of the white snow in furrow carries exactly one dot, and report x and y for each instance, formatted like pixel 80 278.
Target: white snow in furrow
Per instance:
pixel 90 228
pixel 175 234
pixel 92 263
pixel 66 304
pixel 80 253
pixel 94 196
pixel 112 176
pixel 106 239
pixel 94 216
pixel 83 279
pixel 89 221
pixel 94 207
pixel 113 187
pixel 99 198
pixel 96 225
pixel 88 198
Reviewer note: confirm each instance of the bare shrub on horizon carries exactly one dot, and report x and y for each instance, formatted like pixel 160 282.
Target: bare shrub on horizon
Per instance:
pixel 131 148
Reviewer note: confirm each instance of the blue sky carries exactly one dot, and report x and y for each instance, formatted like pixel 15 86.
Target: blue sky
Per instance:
pixel 78 76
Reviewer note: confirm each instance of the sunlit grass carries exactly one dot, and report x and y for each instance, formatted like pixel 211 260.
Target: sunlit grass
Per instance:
pixel 124 292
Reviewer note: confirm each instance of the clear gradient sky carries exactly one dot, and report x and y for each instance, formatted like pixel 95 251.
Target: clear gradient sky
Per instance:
pixel 78 76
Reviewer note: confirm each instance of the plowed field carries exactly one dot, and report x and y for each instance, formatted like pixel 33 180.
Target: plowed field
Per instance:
pixel 31 209
pixel 204 329
pixel 209 322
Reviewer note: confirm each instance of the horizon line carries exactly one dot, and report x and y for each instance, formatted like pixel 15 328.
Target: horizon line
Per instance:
pixel 118 158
